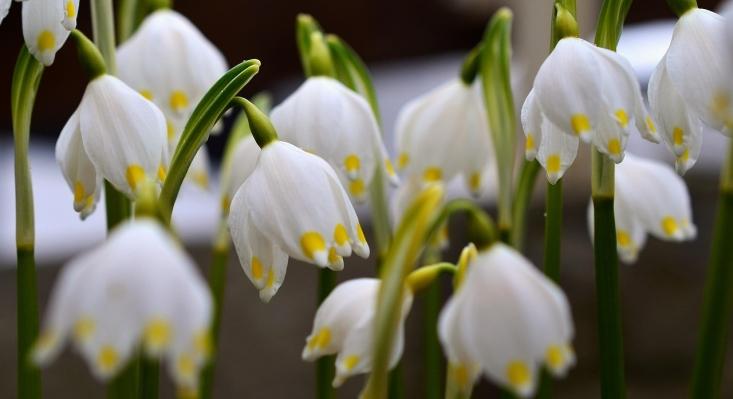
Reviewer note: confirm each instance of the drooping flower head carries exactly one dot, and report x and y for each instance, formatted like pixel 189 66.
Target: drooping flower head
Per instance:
pixel 691 85
pixel 328 119
pixel 170 62
pixel 506 321
pixel 444 134
pixel 650 199
pixel 139 287
pixel 292 204
pixel 585 92
pixel 115 134
pixel 46 25
pixel 344 325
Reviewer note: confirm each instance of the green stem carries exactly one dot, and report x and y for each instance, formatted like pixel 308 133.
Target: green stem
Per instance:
pixel 26 78
pixel 433 352
pixel 325 370
pixel 610 332
pixel 553 230
pixel 124 384
pixel 522 197
pixel 217 283
pixel 126 10
pixel 149 376
pixel 396 388
pixel 718 305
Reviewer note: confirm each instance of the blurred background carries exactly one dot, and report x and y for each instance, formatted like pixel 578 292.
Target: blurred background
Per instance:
pixel 410 46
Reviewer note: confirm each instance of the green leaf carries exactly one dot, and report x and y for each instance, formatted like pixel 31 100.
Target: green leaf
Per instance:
pixel 199 125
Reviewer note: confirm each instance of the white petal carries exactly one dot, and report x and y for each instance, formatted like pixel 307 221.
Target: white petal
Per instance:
pixel 326 118
pixel 71 10
pixel 240 164
pixel 630 231
pixel 4 8
pixel 699 65
pixel 123 133
pixel 77 169
pixel 198 172
pixel 659 198
pixel 43 31
pixel 681 130
pixel 338 314
pixel 355 357
pixel 610 138
pixel 557 151
pixel 262 261
pixel 573 105
pixel 532 126
pixel 450 116
pixel 464 370
pixel 170 59
pixel 296 201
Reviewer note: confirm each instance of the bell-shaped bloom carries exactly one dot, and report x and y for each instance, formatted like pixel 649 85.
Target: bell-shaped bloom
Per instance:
pixel 506 320
pixel 698 64
pixel 139 288
pixel 46 26
pixel 650 199
pixel 691 85
pixel 588 92
pixel 344 325
pixel 328 119
pixel 292 204
pixel 170 61
pixel 77 169
pixel 115 134
pixel 241 164
pixel 544 141
pixel 444 134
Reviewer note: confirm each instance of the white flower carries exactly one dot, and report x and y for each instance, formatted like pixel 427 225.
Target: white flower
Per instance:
pixel 292 205
pixel 46 26
pixel 681 129
pixel 553 149
pixel 589 92
pixel 444 134
pixel 78 170
pixel 698 64
pixel 330 120
pixel 242 163
pixel 4 8
pixel 198 172
pixel 117 133
pixel 506 320
pixel 137 287
pixel 650 198
pixel 344 325
pixel 170 62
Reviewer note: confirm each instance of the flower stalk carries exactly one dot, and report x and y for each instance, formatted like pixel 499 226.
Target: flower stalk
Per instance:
pixel 718 305
pixel 610 334
pixel 26 78
pixel 498 98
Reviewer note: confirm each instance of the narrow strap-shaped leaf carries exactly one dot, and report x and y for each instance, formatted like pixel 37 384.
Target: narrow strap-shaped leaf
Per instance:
pixel 202 120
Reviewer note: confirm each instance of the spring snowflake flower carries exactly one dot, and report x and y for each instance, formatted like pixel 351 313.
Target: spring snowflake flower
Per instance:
pixel 344 325
pixel 115 134
pixel 328 119
pixel 565 99
pixel 691 85
pixel 46 25
pixel 650 199
pixel 451 116
pixel 139 287
pixel 292 204
pixel 506 320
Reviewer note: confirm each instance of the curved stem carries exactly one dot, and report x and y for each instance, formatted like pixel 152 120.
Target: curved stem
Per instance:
pixel 26 78
pixel 718 305
pixel 126 10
